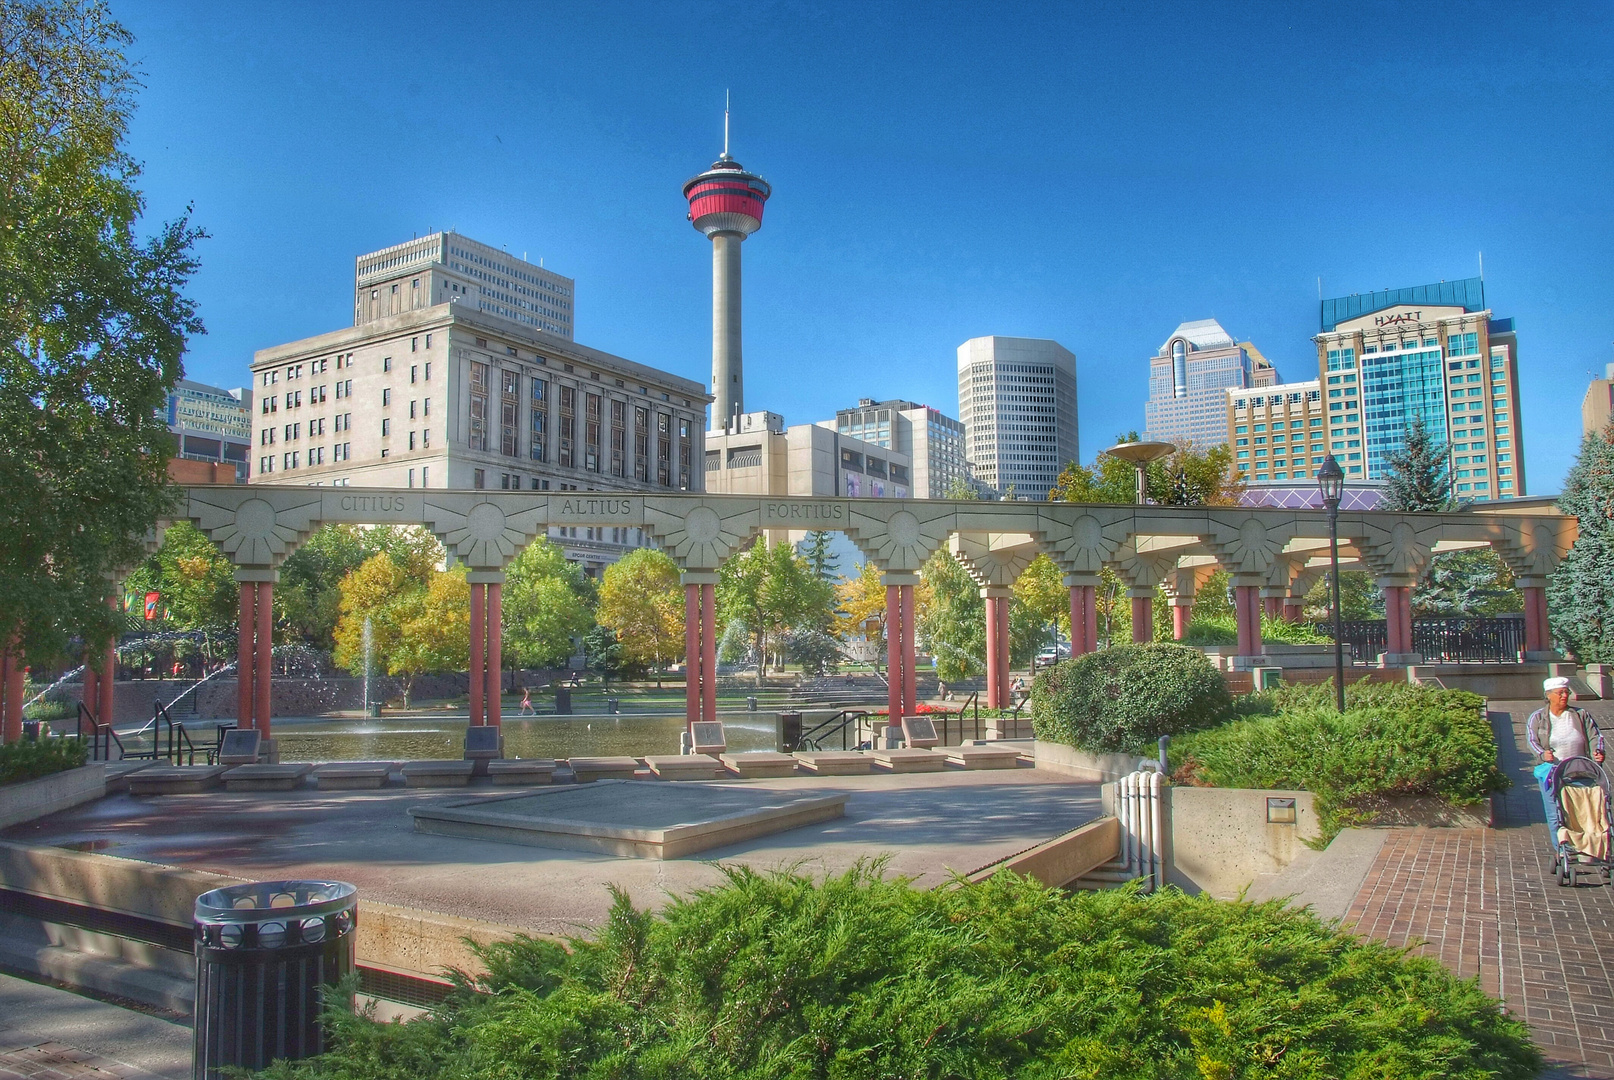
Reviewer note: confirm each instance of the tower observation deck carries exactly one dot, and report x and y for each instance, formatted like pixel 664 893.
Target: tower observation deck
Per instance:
pixel 725 204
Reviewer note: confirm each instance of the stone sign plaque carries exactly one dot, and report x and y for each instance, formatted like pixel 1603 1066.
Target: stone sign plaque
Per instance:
pixel 240 746
pixel 918 732
pixel 481 741
pixel 708 737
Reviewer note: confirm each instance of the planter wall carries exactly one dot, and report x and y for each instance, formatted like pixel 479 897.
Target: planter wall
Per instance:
pixel 1059 758
pixel 35 798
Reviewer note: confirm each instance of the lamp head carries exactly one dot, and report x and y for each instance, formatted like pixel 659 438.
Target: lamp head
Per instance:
pixel 1331 482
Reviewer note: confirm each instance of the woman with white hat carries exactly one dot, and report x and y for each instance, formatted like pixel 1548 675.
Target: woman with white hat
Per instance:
pixel 1556 733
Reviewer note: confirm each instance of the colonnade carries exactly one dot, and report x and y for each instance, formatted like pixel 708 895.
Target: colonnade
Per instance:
pixel 1272 556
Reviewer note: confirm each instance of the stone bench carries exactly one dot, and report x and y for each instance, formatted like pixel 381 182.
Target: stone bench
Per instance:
pixel 684 766
pixel 764 764
pixel 909 760
pixel 118 773
pixel 352 775
pixel 982 757
pixel 834 762
pixel 266 777
pixel 176 779
pixel 522 771
pixel 437 773
pixel 588 769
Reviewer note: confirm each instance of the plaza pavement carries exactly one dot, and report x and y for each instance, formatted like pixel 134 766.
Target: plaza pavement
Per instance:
pixel 51 1034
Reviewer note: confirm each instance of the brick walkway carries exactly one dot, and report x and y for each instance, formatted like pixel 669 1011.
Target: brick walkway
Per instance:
pixel 1484 902
pixel 58 1061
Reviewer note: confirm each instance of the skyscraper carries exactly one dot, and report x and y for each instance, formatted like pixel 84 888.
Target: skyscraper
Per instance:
pixel 1429 352
pixel 1017 399
pixel 1189 379
pixel 725 204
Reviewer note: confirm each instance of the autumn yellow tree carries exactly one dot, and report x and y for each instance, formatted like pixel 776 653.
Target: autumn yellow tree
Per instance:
pixel 641 599
pixel 375 591
pixel 860 606
pixel 434 629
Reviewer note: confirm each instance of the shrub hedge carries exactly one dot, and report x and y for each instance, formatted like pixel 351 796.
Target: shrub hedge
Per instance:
pixel 29 759
pixel 1122 699
pixel 857 978
pixel 1393 739
pixel 1224 630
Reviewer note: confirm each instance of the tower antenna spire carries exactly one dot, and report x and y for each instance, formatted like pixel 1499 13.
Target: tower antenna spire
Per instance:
pixel 725 123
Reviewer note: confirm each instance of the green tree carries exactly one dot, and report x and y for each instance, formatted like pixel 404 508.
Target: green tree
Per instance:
pixel 860 603
pixel 1416 479
pixel 642 601
pixel 1467 584
pixel 1359 597
pixel 547 603
pixel 196 581
pixel 960 488
pixel 816 547
pixel 1041 592
pixel 952 621
pixel 770 590
pixel 434 629
pixel 94 325
pixel 1580 594
pixel 309 593
pixel 1185 477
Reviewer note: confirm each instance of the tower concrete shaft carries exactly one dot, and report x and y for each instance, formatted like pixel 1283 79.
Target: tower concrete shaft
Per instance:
pixel 728 366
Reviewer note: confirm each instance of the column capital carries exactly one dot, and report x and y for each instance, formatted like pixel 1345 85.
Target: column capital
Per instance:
pixel 257 573
pixel 898 577
pixel 996 592
pixel 698 577
pixel 485 577
pixel 1141 594
pixel 1082 581
pixel 1396 581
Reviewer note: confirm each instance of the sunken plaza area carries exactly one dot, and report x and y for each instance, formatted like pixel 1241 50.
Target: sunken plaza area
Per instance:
pixel 927 826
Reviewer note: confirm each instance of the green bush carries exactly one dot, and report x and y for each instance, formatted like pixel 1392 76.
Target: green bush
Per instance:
pixel 29 759
pixel 1224 630
pixel 858 978
pixel 1122 699
pixel 49 710
pixel 1393 739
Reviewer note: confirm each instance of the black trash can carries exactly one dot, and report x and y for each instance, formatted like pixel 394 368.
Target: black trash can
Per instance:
pixel 563 701
pixel 267 955
pixel 789 732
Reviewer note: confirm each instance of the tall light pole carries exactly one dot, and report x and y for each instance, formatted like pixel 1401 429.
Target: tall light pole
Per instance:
pixel 1331 481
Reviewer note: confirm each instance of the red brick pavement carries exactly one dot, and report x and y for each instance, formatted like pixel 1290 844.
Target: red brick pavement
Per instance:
pixel 1485 903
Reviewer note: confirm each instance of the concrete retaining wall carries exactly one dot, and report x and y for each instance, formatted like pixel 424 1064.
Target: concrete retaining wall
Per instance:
pixel 35 798
pixel 1059 758
pixel 1062 860
pixel 1220 837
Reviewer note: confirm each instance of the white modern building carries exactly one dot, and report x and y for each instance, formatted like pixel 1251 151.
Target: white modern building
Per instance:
pixel 1188 382
pixel 1017 401
pixel 447 268
pixel 211 424
pixel 931 439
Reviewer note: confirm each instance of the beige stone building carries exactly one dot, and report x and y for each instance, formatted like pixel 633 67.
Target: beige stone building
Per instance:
pixel 1597 406
pixel 447 268
pixel 931 440
pixel 1017 401
pixel 764 457
pixel 1277 432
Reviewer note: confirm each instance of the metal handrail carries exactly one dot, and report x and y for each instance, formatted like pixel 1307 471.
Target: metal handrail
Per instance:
pixel 102 737
pixel 837 723
pixel 179 740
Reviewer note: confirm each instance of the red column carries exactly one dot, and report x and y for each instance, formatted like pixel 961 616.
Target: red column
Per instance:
pixel 12 686
pixel 245 655
pixel 1535 619
pixel 479 637
pixel 90 693
pixel 1292 609
pixel 107 682
pixel 993 701
pixel 709 652
pixel 265 643
pixel 1181 616
pixel 1272 606
pixel 893 654
pixel 495 620
pixel 1247 610
pixel 692 656
pixel 1142 620
pixel 910 693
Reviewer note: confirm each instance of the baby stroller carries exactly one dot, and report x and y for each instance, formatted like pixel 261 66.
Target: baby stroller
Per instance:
pixel 1580 788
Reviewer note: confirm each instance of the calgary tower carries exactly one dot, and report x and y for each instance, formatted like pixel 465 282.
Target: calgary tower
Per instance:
pixel 725 203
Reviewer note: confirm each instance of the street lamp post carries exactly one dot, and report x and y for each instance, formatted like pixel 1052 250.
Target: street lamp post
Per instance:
pixel 1331 481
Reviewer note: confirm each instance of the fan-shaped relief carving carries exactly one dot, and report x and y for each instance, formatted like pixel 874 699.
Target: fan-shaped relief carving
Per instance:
pixel 1085 542
pixel 900 540
pixel 994 559
pixel 483 534
pixel 701 537
pixel 253 531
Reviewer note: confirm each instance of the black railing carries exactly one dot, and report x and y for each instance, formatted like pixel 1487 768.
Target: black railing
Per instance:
pixel 1438 641
pixel 178 741
pixel 814 737
pixel 102 737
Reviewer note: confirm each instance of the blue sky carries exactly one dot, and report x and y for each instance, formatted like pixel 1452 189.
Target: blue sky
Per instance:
pixel 1092 173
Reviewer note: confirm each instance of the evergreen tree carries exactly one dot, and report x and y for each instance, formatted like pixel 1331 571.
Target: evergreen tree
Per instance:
pixel 1417 478
pixel 821 559
pixel 1467 584
pixel 1580 595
